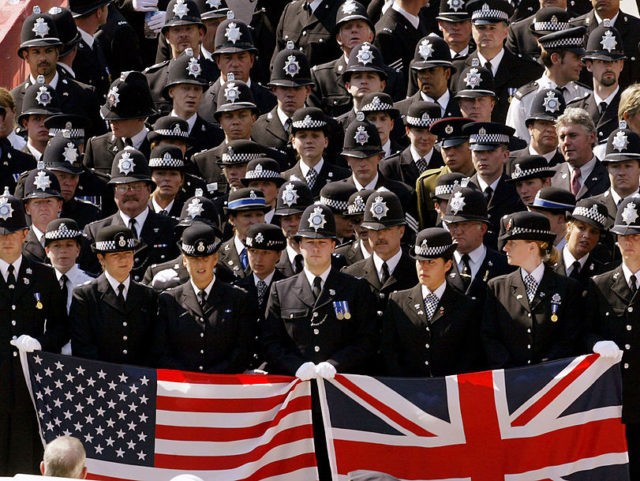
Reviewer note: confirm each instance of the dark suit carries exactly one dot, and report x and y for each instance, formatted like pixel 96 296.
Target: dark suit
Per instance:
pixel 397 38
pixel 596 183
pixel 351 252
pixel 516 333
pixel 402 167
pixel 33 249
pixel 81 211
pixel 592 267
pixel 204 135
pixel 229 257
pixel 263 98
pixel 452 109
pixel 100 151
pixel 269 131
pixel 214 338
pixel 328 173
pixel 12 164
pixel 447 344
pixel 521 39
pixel 605 123
pixel 90 67
pixel 120 44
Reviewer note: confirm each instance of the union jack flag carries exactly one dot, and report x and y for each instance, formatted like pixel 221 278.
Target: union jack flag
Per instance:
pixel 551 422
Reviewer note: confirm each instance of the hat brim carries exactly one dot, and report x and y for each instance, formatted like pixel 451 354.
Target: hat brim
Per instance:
pixel 423 65
pixel 61 167
pixel 484 147
pixel 136 243
pixel 130 179
pixel 473 94
pixel 605 56
pixel 246 48
pixel 263 208
pixel 41 42
pixel 446 253
pixel 346 75
pixel 529 236
pixel 92 8
pixel 613 158
pixel 488 21
pixel 24 115
pixel 154 136
pixel 361 154
pixel 277 180
pixel 288 211
pixel 301 82
pixel 623 230
pixel 10 230
pixel 454 219
pixel 548 118
pixel 216 248
pixel 350 18
pixel 313 235
pixel 589 221
pixel 453 142
pixel 537 175
pixel 166 88
pixel 453 17
pixel 108 114
pixel 382 226
pixel 178 23
pixel 232 107
pixel 42 195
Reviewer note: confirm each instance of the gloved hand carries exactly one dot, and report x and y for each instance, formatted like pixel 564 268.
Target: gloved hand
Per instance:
pixel 145 5
pixel 156 22
pixel 608 350
pixel 306 371
pixel 164 276
pixel 326 370
pixel 26 343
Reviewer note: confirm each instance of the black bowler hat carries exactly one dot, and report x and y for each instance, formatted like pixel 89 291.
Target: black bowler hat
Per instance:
pixel 335 195
pixel 364 57
pixel 547 104
pixel 433 243
pixel 169 128
pixel 67 29
pixel 453 11
pixel 361 139
pixel 70 126
pixel 294 196
pixel 62 154
pixel 592 212
pixel 378 102
pixel 199 209
pixel 449 131
pixel 554 199
pixel 114 238
pixel 241 152
pixel 234 95
pixel 352 10
pixel 466 204
pixel 530 167
pixel 40 184
pixel 290 68
pixel 166 157
pixel 317 222
pixel 12 216
pixel 422 114
pixel 39 99
pixel 531 226
pixel 210 9
pixel 129 97
pixel 571 39
pixel 432 51
pixel 263 168
pixel 186 69
pixel 130 165
pixel 605 43
pixel 233 36
pixel 357 203
pixel 199 240
pixel 383 210
pixel 627 218
pixel 265 236
pixel 475 81
pixel 548 20
pixel 487 135
pixel 182 12
pixel 62 229
pixel 308 118
pixel 485 12
pixel 80 8
pixel 447 183
pixel 38 30
pixel 246 199
pixel 622 144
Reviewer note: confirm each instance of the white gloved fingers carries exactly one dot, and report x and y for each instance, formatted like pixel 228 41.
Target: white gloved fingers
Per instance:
pixel 608 350
pixel 306 371
pixel 145 5
pixel 326 370
pixel 26 343
pixel 164 276
pixel 156 22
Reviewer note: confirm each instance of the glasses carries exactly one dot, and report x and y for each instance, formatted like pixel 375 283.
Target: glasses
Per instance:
pixel 123 188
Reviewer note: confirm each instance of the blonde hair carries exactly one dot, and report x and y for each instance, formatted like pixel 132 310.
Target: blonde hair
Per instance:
pixel 549 254
pixel 629 101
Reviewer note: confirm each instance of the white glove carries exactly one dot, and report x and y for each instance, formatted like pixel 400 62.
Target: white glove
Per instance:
pixel 326 370
pixel 608 350
pixel 306 371
pixel 26 343
pixel 156 22
pixel 145 5
pixel 164 276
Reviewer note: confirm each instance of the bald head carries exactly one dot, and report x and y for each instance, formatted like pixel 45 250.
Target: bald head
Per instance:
pixel 64 457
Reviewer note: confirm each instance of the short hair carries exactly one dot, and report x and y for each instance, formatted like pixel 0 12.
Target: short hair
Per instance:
pixel 6 99
pixel 545 56
pixel 576 116
pixel 64 457
pixel 629 101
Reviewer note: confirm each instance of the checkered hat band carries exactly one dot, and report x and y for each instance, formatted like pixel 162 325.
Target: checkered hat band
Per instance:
pixel 376 107
pixel 444 189
pixel 516 174
pixel 240 158
pixel 564 42
pixel 262 174
pixel 340 205
pixel 159 162
pixel 309 124
pixel 551 205
pixel 428 251
pixel 62 234
pixel 257 203
pixel 590 214
pixel 524 230
pixel 191 250
pixel 550 26
pixel 355 209
pixel 489 139
pixel 172 133
pixel 418 122
pixel 73 133
pixel 111 245
pixel 490 15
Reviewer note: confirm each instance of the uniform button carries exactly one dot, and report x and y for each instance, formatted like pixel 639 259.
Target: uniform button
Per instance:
pixel 627 346
pixel 124 351
pixel 304 33
pixel 124 338
pixel 528 346
pixel 606 313
pixel 626 365
pixel 380 313
pixel 320 41
pixel 124 324
pixel 630 309
pixel 137 259
pixel 529 315
pixel 14 337
pixel 202 334
pixel 162 256
pixel 317 348
pixel 256 338
pixel 629 327
pixel 315 314
pixel 529 330
pixel 427 346
pixel 201 351
pixel 13 307
pixel 529 362
pixel 136 278
pixel 15 354
pixel 426 363
pixel 13 323
pixel 201 368
pixel 382 295
pixel 316 331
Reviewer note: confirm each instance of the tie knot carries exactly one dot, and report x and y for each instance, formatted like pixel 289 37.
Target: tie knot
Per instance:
pixel 64 278
pixel 466 258
pixel 121 290
pixel 633 280
pixel 11 269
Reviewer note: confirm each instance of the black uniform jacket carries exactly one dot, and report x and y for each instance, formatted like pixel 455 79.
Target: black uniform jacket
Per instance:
pixel 403 168
pixel 329 173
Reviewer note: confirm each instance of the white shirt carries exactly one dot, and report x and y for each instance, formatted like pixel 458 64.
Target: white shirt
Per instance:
pixel 311 276
pixel 476 257
pixel 140 219
pixel 495 61
pixel 239 245
pixel 416 156
pixel 191 121
pixel 442 101
pixel 136 140
pixel 537 273
pixel 206 290
pixel 87 37
pixel 35 152
pixel 39 234
pixel 483 184
pixel 17 142
pixel 75 276
pixel 157 208
pixel 585 170
pixel 413 20
pixel 114 284
pixel 392 263
pixel 438 292
pixel 304 168
pixel 548 156
pixel 291 255
pixel 627 275
pixel 267 280
pixel 568 260
pixel 4 268
pixel 371 185
pixel 54 81
pixel 314 4
pixel 365 253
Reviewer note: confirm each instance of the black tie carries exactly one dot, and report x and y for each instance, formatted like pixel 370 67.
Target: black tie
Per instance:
pixel 163 212
pixel 488 193
pixel 202 298
pixel 466 271
pixel 63 287
pixel 575 272
pixel 132 226
pixel 487 65
pixel 634 284
pixel 287 126
pixel 11 278
pixel 385 273
pixel 317 287
pixel 298 262
pixel 121 293
pixel 128 142
pixel 603 108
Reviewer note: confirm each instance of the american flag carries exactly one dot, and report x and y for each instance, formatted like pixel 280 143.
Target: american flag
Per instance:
pixel 551 422
pixel 144 424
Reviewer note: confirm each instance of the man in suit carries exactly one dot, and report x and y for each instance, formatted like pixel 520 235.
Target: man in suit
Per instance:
pixel 582 173
pixel 35 318
pixel 454 22
pixel 132 185
pixel 126 109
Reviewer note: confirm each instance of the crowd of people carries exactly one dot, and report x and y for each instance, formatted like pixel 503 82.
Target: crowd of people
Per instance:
pixel 388 188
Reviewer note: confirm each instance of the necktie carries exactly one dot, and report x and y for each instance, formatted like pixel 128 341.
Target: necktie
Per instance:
pixel 488 193
pixel 602 107
pixel 385 273
pixel 298 262
pixel 262 290
pixel 11 278
pixel 244 260
pixel 487 65
pixel 132 226
pixel 575 271
pixel 121 293
pixel 63 287
pixel 311 178
pixel 575 181
pixel 531 286
pixel 421 164
pixel 466 271
pixel 163 212
pixel 317 287
pixel 202 298
pixel 633 284
pixel 431 304
pixel 128 142
pixel 287 126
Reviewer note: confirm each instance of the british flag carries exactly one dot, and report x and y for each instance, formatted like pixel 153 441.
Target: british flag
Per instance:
pixel 551 422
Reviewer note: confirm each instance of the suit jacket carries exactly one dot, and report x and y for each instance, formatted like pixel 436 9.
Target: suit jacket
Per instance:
pixel 402 167
pixel 212 338
pixel 299 328
pixel 452 109
pixel 181 274
pixel 81 211
pixel 90 67
pixel 596 183
pixel 13 163
pixel 592 267
pixel 328 173
pixel 229 257
pixel 120 44
pixel 105 329
pixel 521 40
pixel 518 333
pixel 605 123
pixel 613 315
pixel 397 38
pixel 351 252
pixel 33 249
pixel 263 98
pixel 447 344
pixel 100 151
pixel 204 135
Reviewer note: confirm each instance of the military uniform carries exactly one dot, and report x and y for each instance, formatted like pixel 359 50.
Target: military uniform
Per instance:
pixel 402 166
pixel 494 264
pixel 90 67
pixel 397 38
pixel 101 150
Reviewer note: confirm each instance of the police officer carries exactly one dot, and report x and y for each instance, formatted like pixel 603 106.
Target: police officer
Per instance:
pixel 166 164
pixel 39 103
pixel 524 34
pixel 359 248
pixel 529 174
pixel 335 195
pixel 263 174
pixel 378 109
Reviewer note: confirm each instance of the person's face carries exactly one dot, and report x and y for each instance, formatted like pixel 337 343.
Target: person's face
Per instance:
pixel 242 220
pixel 432 272
pixel 383 123
pixel 360 232
pixel 268 188
pixel 605 73
pixel 11 244
pixel 364 170
pixel 186 97
pixel 117 264
pixel 477 109
pixel 36 130
pixel 126 127
pixel 458 157
pixel 41 61
pixel 291 99
pixel 582 238
pixel 200 268
pixel 68 184
pixel 433 81
pixel 456 34
pixel 317 253
pixel 237 123
pixel 63 253
pixel 629 246
pixel 519 251
pixel 7 120
pixel 421 139
pixel 290 224
pixel 575 144
pixel 543 135
pixel 490 37
pixel 168 182
pixel 528 188
pixel 353 33
pixel 468 235
pixel 239 64
pixel 386 242
pixel 132 198
pixel 606 8
pixel 344 226
pixel 624 176
pixel 262 261
pixel 209 39
pixel 43 211
pixel 182 37
pixel 233 173
pixel 490 163
pixel 362 83
pixel 571 66
pixel 632 120
pixel 310 144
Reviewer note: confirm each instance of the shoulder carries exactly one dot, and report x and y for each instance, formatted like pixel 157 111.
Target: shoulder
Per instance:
pixel 526 90
pixel 156 67
pixel 356 269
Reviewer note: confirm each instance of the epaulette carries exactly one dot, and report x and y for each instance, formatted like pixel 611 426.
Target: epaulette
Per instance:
pixel 430 173
pixel 155 67
pixel 387 29
pixel 578 99
pixel 526 90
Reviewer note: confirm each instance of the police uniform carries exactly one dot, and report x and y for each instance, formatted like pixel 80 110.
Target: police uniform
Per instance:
pixel 523 34
pixel 397 38
pixel 120 44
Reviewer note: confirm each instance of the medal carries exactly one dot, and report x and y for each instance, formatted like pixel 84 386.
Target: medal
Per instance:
pixel 556 300
pixel 347 313
pixel 554 318
pixel 339 310
pixel 38 301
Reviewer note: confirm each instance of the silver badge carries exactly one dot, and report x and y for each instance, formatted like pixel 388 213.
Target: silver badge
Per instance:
pixel 291 66
pixel 122 241
pixel 6 210
pixel 180 9
pixel 473 79
pixel 43 97
pixel 379 208
pixel 551 103
pixel 200 247
pixel 349 7
pixel 126 164
pixel 213 4
pixel 259 238
pixel 40 28
pixel 630 213
pixel 609 41
pixel 231 92
pixel 455 5
pixel 289 195
pixel 113 97
pixel 193 68
pixel 457 203
pixel 365 55
pixel 42 181
pixel 426 49
pixel 620 141
pixel 361 136
pixel 317 219
pixel 233 33
pixel 70 153
pixel 195 208
pixel 252 195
